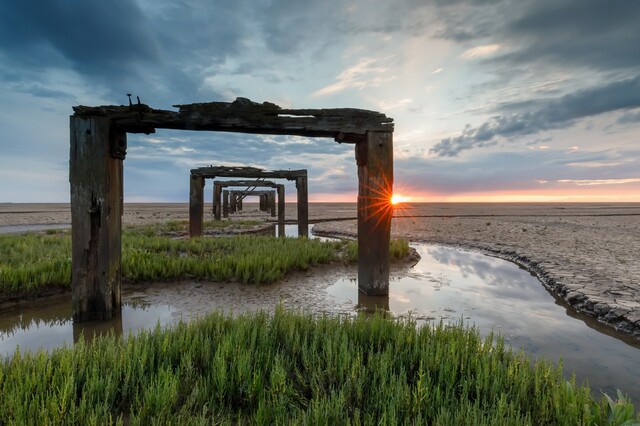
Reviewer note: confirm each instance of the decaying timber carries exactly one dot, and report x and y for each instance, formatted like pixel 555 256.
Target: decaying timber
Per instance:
pixel 98 147
pixel 256 174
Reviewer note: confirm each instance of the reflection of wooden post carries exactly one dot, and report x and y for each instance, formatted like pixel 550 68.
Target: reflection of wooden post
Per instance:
pixel 217 192
pixel 95 175
pixel 374 155
pixel 225 203
pixel 281 210
pixel 303 206
pixel 196 205
pixel 272 203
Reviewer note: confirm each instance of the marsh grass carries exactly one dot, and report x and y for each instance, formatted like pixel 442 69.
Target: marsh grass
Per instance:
pixel 34 263
pixel 295 369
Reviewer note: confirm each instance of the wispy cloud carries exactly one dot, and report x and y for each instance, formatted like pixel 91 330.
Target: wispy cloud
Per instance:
pixel 368 72
pixel 480 51
pixel 590 182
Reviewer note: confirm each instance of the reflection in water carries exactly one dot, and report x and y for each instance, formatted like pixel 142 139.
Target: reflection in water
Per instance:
pixel 452 285
pixel 48 324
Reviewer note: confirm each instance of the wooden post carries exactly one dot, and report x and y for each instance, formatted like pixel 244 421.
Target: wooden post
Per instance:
pixel 303 206
pixel 217 193
pixel 281 210
pixel 196 206
pixel 239 203
pixel 95 175
pixel 374 156
pixel 234 202
pixel 261 202
pixel 225 203
pixel 272 203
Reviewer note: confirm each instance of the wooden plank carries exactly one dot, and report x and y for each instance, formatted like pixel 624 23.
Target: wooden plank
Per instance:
pixel 196 206
pixel 225 203
pixel 375 187
pixel 96 219
pixel 247 172
pixel 303 207
pixel 281 211
pixel 243 116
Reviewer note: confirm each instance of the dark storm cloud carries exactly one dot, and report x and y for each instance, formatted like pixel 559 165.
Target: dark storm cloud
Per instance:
pixel 545 115
pixel 118 46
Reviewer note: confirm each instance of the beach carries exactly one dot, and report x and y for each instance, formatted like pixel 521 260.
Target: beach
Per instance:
pixel 584 253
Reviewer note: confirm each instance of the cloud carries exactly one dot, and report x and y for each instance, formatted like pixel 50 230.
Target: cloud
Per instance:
pixel 367 73
pixel 590 182
pixel 480 51
pixel 544 114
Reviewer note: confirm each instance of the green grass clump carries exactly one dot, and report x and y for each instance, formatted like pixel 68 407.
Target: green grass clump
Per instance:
pixel 33 264
pixel 181 227
pixel 294 369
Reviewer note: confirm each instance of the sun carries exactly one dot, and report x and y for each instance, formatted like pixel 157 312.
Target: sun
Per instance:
pixel 397 198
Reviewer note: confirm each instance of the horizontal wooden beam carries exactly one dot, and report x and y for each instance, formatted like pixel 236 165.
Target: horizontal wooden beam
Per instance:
pixel 261 183
pixel 247 172
pixel 245 116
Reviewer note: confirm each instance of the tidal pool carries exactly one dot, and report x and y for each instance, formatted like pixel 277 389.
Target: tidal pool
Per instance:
pixel 446 284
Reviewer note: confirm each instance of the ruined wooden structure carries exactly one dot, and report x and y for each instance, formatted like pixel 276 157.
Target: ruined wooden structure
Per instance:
pixel 267 203
pixel 196 198
pixel 98 138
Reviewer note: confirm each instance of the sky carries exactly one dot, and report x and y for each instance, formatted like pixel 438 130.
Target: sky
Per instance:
pixel 493 100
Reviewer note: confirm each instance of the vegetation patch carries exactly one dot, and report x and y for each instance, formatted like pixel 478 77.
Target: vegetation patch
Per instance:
pixel 295 369
pixel 37 263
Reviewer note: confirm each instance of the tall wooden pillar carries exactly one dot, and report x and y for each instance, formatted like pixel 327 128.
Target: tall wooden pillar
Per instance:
pixel 281 210
pixel 262 202
pixel 225 203
pixel 217 193
pixel 303 206
pixel 196 205
pixel 374 155
pixel 239 202
pixel 272 203
pixel 96 178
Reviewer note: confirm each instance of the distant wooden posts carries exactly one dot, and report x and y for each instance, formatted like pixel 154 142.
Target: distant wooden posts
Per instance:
pixel 96 178
pixel 98 147
pixel 281 211
pixel 299 176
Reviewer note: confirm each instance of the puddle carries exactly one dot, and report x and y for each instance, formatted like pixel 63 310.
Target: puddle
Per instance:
pixel 450 284
pixel 18 229
pixel 447 284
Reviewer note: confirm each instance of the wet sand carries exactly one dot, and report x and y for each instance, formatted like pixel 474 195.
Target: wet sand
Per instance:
pixel 586 253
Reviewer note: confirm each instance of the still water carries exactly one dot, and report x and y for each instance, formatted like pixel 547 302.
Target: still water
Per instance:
pixel 446 284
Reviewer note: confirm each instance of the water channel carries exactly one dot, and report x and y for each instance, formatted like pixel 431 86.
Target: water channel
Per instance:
pixel 447 284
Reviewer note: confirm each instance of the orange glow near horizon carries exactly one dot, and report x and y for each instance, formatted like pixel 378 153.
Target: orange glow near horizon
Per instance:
pixel 397 198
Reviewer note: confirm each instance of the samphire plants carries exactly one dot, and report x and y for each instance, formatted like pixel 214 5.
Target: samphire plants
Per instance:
pixel 289 368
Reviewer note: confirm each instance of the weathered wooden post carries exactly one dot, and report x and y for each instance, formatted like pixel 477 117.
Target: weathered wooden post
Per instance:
pixel 217 193
pixel 96 178
pixel 239 202
pixel 303 206
pixel 225 203
pixel 272 203
pixel 196 205
pixel 374 155
pixel 281 210
pixel 234 202
pixel 262 202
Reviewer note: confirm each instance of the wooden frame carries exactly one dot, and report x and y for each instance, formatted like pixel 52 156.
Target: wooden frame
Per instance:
pixel 98 147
